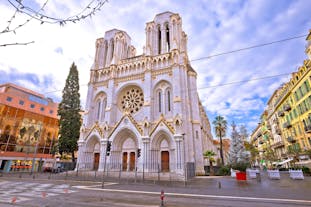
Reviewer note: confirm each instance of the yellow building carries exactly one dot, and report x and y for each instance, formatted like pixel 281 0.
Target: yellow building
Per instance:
pixel 285 126
pixel 256 141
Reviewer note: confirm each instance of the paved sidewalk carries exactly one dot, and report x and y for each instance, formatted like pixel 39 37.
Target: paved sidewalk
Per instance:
pixel 217 190
pixel 215 184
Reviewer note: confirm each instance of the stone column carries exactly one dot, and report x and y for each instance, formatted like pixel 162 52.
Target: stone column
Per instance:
pixel 163 39
pixel 180 152
pixel 81 155
pixel 102 161
pixel 145 154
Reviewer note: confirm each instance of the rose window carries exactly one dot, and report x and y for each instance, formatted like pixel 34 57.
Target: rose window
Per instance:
pixel 131 100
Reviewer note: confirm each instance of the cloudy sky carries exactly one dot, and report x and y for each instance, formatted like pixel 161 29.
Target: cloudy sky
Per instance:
pixel 212 26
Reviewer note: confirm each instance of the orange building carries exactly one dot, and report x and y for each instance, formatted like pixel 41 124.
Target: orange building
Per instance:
pixel 225 147
pixel 28 128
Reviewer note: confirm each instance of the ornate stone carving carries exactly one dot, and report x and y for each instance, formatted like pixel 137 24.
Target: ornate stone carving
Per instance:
pixel 131 99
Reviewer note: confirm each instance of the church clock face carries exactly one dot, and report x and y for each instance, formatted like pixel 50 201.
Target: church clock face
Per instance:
pixel 131 99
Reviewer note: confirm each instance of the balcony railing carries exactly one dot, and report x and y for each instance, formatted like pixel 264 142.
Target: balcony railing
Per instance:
pixel 308 128
pixel 291 139
pixel 281 113
pixel 287 125
pixel 287 107
pixel 278 144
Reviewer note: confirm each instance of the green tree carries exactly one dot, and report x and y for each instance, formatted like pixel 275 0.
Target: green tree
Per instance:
pixel 69 112
pixel 220 125
pixel 209 154
pixel 253 152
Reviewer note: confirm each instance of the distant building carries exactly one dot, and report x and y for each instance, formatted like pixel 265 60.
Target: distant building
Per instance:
pixel 225 149
pixel 28 128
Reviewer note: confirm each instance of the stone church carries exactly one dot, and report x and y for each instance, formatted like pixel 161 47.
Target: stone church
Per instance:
pixel 145 107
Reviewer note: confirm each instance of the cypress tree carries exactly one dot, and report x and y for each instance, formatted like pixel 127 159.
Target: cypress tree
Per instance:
pixel 69 112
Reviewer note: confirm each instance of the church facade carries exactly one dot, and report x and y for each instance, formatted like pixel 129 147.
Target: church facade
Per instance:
pixel 145 107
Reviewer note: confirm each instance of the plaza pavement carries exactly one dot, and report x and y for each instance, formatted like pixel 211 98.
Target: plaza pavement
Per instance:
pixel 217 191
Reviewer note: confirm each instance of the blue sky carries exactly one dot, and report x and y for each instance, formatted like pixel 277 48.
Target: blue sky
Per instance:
pixel 212 27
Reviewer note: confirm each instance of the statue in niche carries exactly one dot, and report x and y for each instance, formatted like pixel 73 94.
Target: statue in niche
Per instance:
pixel 178 123
pixel 146 126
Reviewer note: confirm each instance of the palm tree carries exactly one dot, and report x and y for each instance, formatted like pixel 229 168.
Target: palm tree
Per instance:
pixel 220 125
pixel 210 155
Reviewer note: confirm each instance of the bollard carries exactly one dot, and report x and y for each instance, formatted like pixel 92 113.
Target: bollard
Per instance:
pixel 258 178
pixel 14 200
pixel 219 184
pixel 162 198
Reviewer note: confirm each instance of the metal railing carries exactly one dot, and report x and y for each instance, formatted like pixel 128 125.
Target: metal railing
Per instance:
pixel 113 173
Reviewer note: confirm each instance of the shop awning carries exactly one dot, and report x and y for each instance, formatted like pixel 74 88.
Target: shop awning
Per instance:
pixel 285 161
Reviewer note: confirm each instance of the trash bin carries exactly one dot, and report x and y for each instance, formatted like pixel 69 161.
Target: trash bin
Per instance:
pixel 258 178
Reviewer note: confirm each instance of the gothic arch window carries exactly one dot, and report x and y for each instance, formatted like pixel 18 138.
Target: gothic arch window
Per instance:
pixel 167 34
pixel 163 99
pixel 160 101
pixel 104 105
pixel 159 40
pixel 168 100
pixel 98 109
pixel 112 48
pixel 105 53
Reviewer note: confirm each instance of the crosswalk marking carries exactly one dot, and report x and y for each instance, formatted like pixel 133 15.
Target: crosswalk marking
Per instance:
pixel 15 192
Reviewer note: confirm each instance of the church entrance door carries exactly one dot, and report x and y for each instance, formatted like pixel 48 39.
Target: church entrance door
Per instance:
pixel 165 161
pixel 124 161
pixel 132 161
pixel 96 161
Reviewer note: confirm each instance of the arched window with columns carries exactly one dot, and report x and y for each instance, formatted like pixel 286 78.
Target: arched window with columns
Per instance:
pixel 163 99
pixel 98 107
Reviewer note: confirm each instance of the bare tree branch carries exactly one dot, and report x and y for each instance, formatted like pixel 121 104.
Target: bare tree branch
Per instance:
pixel 89 10
pixel 20 8
pixel 17 43
pixel 7 29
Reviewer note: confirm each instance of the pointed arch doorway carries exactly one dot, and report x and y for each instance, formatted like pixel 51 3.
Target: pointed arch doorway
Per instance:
pixel 125 145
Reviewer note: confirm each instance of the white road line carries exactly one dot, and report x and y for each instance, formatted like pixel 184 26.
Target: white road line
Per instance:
pixel 195 195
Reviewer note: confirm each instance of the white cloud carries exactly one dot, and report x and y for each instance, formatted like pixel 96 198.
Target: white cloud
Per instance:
pixel 212 26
